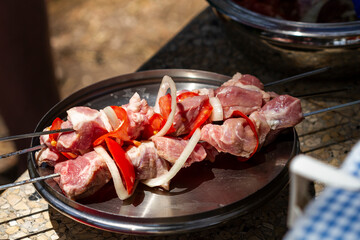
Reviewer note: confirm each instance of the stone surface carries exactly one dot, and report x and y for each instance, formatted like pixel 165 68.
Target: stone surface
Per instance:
pixel 201 45
pixel 95 40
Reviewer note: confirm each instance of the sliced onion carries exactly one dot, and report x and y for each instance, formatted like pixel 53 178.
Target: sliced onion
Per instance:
pixel 113 119
pixel 217 113
pixel 119 186
pixel 163 179
pixel 166 83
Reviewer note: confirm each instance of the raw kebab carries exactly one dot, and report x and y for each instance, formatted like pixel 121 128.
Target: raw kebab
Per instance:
pixel 136 142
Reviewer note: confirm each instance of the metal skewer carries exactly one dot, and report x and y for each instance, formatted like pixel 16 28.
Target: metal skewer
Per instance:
pixel 27 150
pixel 306 95
pixel 31 180
pixel 35 134
pixel 23 151
pixel 296 77
pixel 331 108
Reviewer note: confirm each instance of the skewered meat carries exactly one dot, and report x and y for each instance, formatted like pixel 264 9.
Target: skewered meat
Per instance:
pixel 89 124
pixel 236 137
pixel 139 113
pixel 82 177
pixel 170 148
pixel 186 113
pixel 239 136
pixel 148 164
pixel 244 80
pixel 249 82
pixel 282 112
pixel 233 98
pixel 48 156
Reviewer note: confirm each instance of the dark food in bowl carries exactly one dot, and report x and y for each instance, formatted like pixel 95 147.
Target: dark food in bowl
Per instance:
pixel 298 46
pixel 319 11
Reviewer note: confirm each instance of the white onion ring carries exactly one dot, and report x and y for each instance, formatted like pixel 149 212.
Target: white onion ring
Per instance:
pixel 163 179
pixel 166 83
pixel 217 113
pixel 119 186
pixel 113 119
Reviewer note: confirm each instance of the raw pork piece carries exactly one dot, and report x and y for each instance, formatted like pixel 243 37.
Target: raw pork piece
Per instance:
pixel 186 112
pixel 139 114
pixel 171 148
pixel 210 92
pixel 48 156
pixel 282 112
pixel 82 176
pixel 244 80
pixel 233 98
pixel 249 82
pixel 147 163
pixel 89 124
pixel 234 136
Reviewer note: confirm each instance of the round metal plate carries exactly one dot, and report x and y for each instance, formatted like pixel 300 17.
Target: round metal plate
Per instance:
pixel 201 196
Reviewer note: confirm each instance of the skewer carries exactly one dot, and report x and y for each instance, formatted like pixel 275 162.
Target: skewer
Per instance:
pixel 27 150
pixel 35 134
pixel 296 77
pixel 331 108
pixel 23 151
pixel 320 93
pixel 31 180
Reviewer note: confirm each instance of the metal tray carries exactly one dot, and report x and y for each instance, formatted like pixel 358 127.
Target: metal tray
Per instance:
pixel 201 196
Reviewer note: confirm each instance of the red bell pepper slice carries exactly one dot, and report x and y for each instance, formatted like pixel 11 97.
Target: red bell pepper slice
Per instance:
pixel 184 95
pixel 123 163
pixel 201 118
pixel 165 110
pixel 121 132
pixel 69 155
pixel 253 128
pixel 56 125
pixel 165 105
pixel 155 124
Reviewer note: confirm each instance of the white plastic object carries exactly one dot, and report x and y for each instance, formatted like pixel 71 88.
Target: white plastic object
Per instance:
pixel 304 169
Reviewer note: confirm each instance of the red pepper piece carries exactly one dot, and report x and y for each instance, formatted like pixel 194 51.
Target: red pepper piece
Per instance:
pixel 165 109
pixel 156 123
pixel 253 128
pixel 184 95
pixel 165 105
pixel 56 125
pixel 69 155
pixel 121 132
pixel 123 163
pixel 204 114
pixel 154 126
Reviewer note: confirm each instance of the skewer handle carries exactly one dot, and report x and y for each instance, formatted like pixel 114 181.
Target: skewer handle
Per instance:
pixel 31 180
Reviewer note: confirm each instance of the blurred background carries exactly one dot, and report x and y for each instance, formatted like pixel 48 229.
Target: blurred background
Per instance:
pixel 98 39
